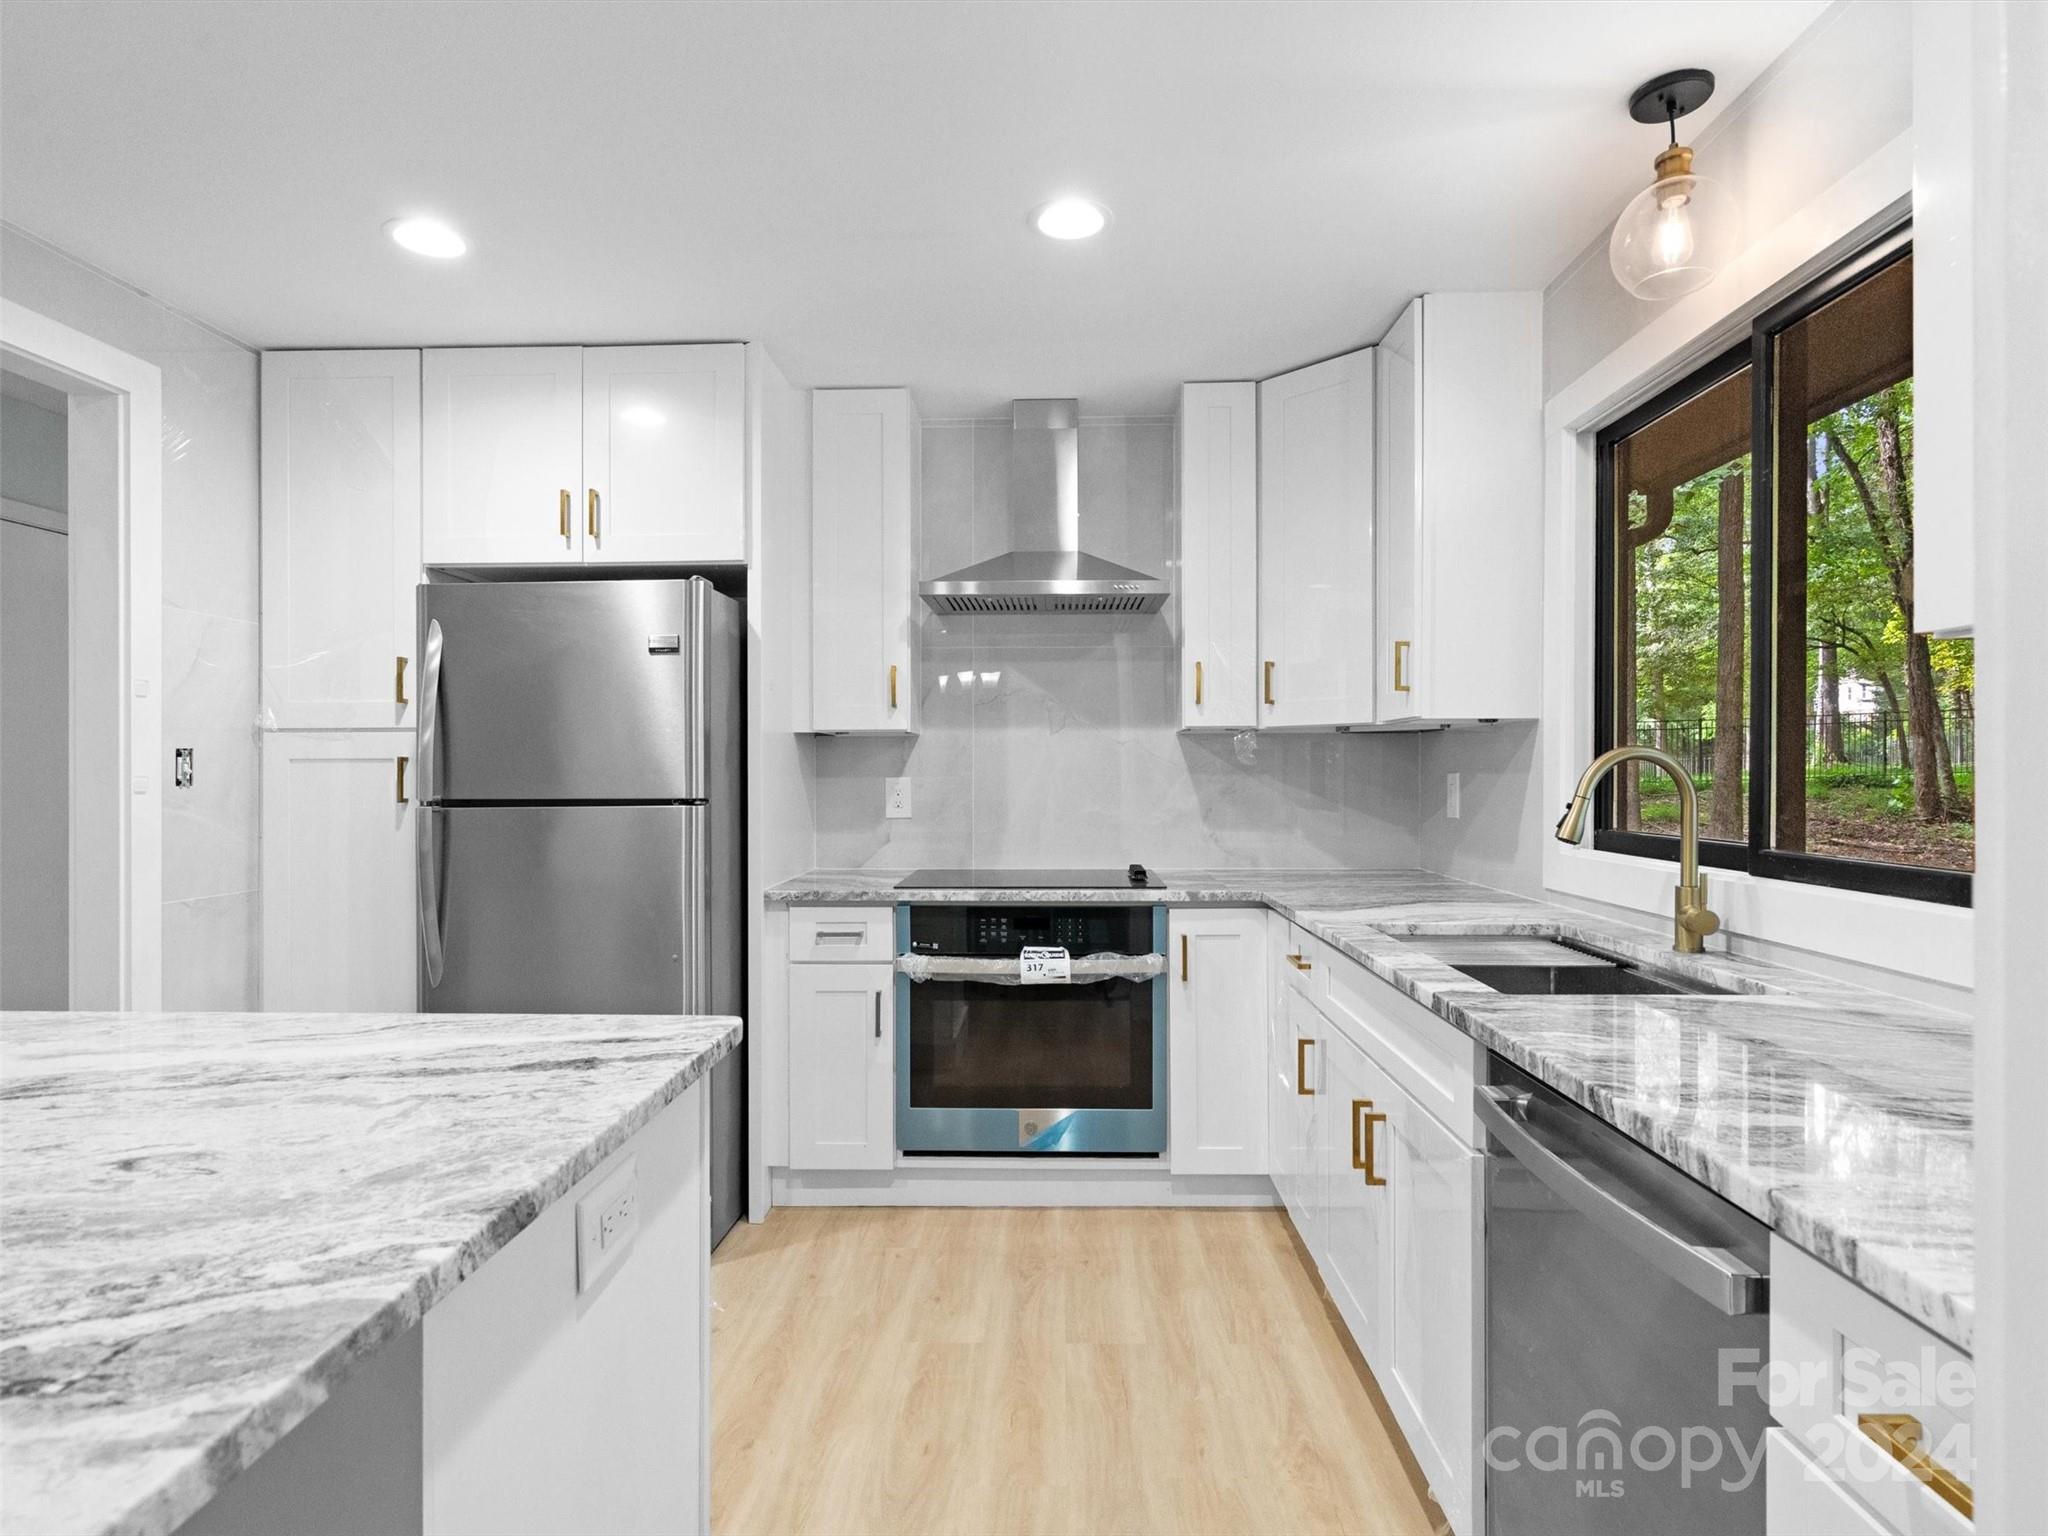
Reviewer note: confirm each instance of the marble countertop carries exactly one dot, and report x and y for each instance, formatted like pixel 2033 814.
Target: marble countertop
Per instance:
pixel 209 1218
pixel 1838 1115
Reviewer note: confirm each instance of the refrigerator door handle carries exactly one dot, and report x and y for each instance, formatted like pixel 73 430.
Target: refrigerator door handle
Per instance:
pixel 430 713
pixel 429 867
pixel 696 906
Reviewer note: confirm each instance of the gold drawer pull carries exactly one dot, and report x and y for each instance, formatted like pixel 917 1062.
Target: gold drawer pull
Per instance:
pixel 1400 655
pixel 1300 964
pixel 401 779
pixel 401 682
pixel 1269 684
pixel 1183 957
pixel 1301 1068
pixel 1198 685
pixel 565 514
pixel 593 512
pixel 1900 1434
pixel 1361 1132
pixel 892 687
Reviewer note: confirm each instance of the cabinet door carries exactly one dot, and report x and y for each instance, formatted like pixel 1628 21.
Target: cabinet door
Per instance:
pixel 1315 545
pixel 339 907
pixel 864 457
pixel 1397 512
pixel 1358 1216
pixel 502 454
pixel 1217 1041
pixel 1431 1330
pixel 842 1066
pixel 1219 549
pixel 1297 1073
pixel 664 455
pixel 341 536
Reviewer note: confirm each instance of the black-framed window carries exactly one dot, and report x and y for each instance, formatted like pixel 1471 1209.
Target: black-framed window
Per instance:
pixel 1754 607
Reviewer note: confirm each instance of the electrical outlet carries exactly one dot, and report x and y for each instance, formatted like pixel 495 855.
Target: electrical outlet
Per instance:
pixel 606 1220
pixel 896 799
pixel 1451 796
pixel 181 768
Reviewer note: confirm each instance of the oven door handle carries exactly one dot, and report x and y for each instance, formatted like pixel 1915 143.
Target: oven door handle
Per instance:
pixel 1713 1274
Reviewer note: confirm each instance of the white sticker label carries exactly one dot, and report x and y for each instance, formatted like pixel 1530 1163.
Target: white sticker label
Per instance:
pixel 1038 964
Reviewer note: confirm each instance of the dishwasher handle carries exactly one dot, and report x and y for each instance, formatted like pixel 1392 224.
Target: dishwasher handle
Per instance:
pixel 1713 1274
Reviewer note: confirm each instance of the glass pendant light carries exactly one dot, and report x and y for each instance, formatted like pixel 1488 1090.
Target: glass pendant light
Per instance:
pixel 1675 235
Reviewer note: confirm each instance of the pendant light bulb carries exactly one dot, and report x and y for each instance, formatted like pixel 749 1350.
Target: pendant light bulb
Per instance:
pixel 1677 234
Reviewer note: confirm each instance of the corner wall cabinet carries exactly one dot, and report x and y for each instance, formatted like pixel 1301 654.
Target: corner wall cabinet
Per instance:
pixel 842 1039
pixel 584 455
pixel 1315 545
pixel 339 905
pixel 341 537
pixel 1218 458
pixel 1459 510
pixel 1216 1054
pixel 864 609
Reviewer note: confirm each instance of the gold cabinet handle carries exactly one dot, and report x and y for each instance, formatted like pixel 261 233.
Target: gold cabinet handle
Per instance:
pixel 400 688
pixel 1269 684
pixel 1361 1131
pixel 1300 964
pixel 401 778
pixel 565 514
pixel 1901 1434
pixel 892 686
pixel 1400 655
pixel 1301 1068
pixel 592 524
pixel 1183 957
pixel 1198 685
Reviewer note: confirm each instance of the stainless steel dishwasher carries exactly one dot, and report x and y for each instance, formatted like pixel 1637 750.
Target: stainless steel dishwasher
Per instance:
pixel 1626 1321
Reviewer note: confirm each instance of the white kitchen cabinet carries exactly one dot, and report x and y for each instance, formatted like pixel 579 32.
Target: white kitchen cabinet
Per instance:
pixel 1459 510
pixel 502 452
pixel 1944 323
pixel 842 1065
pixel 1315 545
pixel 341 537
pixel 1800 1499
pixel 1219 551
pixel 1217 1047
pixel 339 903
pixel 664 455
pixel 1295 1072
pixel 1359 1196
pixel 584 455
pixel 864 605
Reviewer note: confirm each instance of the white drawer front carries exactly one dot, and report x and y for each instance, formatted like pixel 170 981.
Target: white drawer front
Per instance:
pixel 1429 1057
pixel 1800 1499
pixel 842 933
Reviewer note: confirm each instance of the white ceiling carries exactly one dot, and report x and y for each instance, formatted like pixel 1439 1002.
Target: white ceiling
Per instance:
pixel 848 183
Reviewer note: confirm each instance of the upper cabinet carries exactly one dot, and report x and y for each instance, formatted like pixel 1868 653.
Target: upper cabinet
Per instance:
pixel 1459 511
pixel 584 455
pixel 1315 545
pixel 341 537
pixel 864 619
pixel 1944 318
pixel 1219 551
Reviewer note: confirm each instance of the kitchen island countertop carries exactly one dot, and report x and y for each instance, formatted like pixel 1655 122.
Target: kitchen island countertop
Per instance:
pixel 210 1218
pixel 1838 1115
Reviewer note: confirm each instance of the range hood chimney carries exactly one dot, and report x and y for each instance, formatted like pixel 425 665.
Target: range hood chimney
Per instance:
pixel 1045 570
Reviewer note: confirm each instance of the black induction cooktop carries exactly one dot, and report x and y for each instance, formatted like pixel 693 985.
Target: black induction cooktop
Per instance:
pixel 1135 878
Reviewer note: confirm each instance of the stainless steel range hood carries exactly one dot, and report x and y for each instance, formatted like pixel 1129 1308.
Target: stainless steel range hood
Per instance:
pixel 1045 570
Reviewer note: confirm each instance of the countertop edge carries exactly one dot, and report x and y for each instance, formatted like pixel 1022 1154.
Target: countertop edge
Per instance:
pixel 242 1444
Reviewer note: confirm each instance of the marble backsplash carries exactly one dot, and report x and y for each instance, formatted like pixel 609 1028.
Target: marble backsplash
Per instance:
pixel 1052 741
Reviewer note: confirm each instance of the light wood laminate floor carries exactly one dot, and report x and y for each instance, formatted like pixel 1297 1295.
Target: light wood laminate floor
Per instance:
pixel 1044 1371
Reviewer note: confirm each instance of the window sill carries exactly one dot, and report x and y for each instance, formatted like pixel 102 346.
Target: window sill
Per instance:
pixel 1922 939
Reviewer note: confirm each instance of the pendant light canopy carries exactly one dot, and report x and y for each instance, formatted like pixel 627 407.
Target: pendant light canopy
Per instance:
pixel 1675 235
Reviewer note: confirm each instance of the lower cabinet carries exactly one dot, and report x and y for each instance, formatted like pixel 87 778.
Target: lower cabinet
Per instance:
pixel 1386 1199
pixel 1216 1049
pixel 339 903
pixel 842 1065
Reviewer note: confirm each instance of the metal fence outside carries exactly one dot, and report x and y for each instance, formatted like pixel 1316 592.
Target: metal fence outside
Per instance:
pixel 1873 744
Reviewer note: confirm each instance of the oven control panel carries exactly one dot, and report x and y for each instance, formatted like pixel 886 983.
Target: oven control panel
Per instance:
pixel 1003 931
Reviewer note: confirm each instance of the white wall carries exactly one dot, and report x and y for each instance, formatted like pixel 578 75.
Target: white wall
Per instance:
pixel 1051 741
pixel 1497 838
pixel 35 873
pixel 210 942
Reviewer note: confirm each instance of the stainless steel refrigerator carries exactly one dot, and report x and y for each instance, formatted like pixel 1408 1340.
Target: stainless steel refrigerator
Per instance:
pixel 580 814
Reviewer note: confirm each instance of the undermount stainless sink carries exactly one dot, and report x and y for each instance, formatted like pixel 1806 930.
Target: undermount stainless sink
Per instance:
pixel 1535 965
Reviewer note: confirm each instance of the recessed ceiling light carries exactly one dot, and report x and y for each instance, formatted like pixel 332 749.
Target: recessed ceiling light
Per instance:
pixel 1070 218
pixel 427 237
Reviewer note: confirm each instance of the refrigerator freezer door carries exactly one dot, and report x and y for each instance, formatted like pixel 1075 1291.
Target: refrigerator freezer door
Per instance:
pixel 573 690
pixel 563 909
